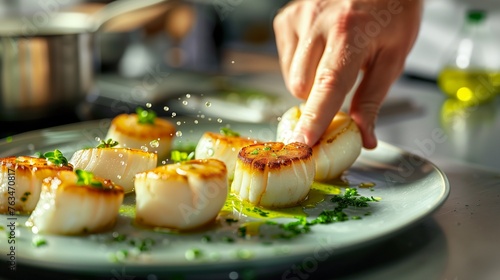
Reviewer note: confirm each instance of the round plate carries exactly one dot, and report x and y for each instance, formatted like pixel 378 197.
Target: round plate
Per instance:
pixel 410 189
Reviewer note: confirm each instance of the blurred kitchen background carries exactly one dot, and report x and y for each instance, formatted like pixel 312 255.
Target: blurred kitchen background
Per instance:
pixel 213 58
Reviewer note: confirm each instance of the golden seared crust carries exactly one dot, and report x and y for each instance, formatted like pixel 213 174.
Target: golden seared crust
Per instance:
pixel 127 124
pixel 340 124
pixel 201 168
pixel 164 172
pixel 129 150
pixel 273 155
pixel 28 163
pixel 236 141
pixel 67 182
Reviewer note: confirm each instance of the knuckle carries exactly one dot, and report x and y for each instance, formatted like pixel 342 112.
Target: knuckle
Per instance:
pixel 326 79
pixel 369 110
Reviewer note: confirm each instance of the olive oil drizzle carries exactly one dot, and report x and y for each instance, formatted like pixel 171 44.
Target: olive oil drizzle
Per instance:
pixel 247 221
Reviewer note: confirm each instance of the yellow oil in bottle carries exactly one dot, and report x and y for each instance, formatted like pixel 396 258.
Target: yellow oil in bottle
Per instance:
pixel 469 86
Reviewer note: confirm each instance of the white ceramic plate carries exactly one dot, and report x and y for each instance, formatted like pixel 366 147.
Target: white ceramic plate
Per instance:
pixel 410 187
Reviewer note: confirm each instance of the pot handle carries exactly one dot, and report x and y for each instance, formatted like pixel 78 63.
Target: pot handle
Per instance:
pixel 118 8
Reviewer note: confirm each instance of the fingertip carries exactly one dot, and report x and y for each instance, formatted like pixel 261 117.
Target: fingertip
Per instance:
pixel 298 87
pixel 366 127
pixel 305 133
pixel 370 140
pixel 368 135
pixel 296 138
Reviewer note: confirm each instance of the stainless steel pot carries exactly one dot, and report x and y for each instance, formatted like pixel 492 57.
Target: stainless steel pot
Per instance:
pixel 47 60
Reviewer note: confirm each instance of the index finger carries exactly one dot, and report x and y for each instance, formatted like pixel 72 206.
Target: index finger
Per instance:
pixel 336 74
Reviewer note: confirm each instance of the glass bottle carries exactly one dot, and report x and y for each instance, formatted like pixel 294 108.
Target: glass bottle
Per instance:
pixel 472 72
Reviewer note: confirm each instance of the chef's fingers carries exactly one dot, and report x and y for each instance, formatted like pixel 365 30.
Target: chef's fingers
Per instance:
pixel 336 74
pixel 299 46
pixel 305 62
pixel 372 90
pixel 286 42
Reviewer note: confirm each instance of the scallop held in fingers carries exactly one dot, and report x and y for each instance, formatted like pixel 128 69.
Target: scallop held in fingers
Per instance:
pixel 336 150
pixel 181 196
pixel 73 203
pixel 223 146
pixel 143 130
pixel 21 181
pixel 117 164
pixel 273 174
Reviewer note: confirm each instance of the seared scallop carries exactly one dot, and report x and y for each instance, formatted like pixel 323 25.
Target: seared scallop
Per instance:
pixel 21 181
pixel 224 147
pixel 135 131
pixel 181 196
pixel 274 174
pixel 76 203
pixel 336 150
pixel 117 164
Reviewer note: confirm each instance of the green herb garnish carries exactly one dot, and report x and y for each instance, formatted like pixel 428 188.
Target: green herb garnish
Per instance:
pixel 178 156
pixel 39 155
pixel 119 237
pixel 255 152
pixel 193 254
pixel 145 116
pixel 56 157
pixel 119 256
pixel 227 239
pixel 242 231
pixel 231 220
pixel 110 143
pixel 295 228
pixel 206 239
pixel 352 198
pixel 142 244
pixel 244 254
pixel 38 241
pixel 87 178
pixel 229 132
pixel 267 148
pixel 260 212
pixel 25 196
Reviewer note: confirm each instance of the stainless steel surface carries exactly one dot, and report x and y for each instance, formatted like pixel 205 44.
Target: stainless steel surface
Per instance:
pixel 47 61
pixel 464 143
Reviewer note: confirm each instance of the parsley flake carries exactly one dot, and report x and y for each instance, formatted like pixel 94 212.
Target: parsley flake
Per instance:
pixel 87 178
pixel 110 143
pixel 56 157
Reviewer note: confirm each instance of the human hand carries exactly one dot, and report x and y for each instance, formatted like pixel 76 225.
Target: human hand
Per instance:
pixel 324 44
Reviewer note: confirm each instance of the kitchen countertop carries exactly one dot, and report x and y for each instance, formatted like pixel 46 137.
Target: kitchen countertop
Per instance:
pixel 460 240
